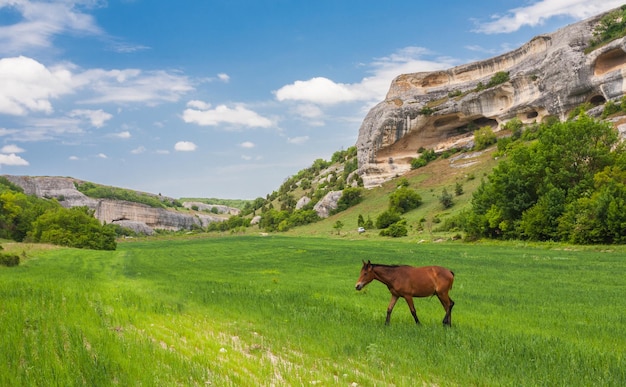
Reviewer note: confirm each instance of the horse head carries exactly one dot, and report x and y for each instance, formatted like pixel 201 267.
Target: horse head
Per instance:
pixel 367 275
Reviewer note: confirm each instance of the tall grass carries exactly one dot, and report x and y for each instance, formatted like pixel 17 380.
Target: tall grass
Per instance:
pixel 283 311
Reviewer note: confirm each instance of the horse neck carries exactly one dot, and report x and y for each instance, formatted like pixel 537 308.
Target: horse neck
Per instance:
pixel 384 274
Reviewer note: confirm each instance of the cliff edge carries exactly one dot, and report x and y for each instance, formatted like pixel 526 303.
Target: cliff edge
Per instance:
pixel 547 77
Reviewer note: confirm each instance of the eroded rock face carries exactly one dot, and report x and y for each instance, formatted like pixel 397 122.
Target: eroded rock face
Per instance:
pixel 136 216
pixel 548 76
pixel 328 203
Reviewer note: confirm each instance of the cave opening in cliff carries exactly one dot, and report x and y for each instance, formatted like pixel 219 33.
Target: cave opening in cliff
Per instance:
pixel 611 60
pixel 531 115
pixel 597 100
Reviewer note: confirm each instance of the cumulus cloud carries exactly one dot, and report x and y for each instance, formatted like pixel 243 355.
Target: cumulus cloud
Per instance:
pixel 223 77
pixel 102 156
pixel 539 11
pixel 247 145
pixel 185 146
pixel 11 149
pixel 96 117
pixel 12 159
pixel 41 21
pixel 200 113
pixel 324 91
pixel 28 86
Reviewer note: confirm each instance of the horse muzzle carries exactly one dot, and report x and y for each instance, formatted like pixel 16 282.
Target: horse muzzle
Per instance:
pixel 358 286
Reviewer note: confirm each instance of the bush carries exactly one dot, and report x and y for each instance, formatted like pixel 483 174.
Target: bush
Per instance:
pixel 9 260
pixel 446 199
pixel 498 78
pixel 395 230
pixel 387 218
pixel 404 199
pixel 484 137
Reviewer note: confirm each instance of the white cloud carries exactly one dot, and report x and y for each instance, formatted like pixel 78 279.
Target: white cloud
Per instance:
pixel 539 11
pixel 40 22
pixel 132 85
pixel 96 117
pixel 11 149
pixel 73 158
pixel 200 113
pixel 223 77
pixel 309 111
pixel 125 134
pixel 12 159
pixel 185 146
pixel 318 90
pixel 28 86
pixel 298 140
pixel 102 156
pixel 138 150
pixel 245 157
pixel 247 145
pixel 323 91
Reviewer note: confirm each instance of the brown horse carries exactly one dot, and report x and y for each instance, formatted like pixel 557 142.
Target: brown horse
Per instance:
pixel 408 282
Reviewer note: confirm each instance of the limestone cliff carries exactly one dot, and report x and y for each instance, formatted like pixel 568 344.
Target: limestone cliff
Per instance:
pixel 139 217
pixel 548 76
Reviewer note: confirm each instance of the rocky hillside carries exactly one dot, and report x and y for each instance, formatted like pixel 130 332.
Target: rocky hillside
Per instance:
pixel 547 77
pixel 137 216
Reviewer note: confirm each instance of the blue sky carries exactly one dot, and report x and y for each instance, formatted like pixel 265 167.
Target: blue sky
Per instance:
pixel 225 98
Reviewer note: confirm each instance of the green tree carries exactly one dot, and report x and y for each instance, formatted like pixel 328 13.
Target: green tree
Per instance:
pixel 73 227
pixel 446 199
pixel 527 193
pixel 404 199
pixel 338 226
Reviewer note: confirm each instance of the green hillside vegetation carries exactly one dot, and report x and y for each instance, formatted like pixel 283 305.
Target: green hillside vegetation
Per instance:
pixel 98 191
pixel 610 27
pixel 26 218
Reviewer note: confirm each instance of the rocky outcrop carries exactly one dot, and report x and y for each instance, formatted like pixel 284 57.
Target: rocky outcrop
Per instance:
pixel 324 207
pixel 136 216
pixel 548 76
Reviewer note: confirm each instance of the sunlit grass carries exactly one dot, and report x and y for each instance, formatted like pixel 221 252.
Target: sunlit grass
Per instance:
pixel 283 311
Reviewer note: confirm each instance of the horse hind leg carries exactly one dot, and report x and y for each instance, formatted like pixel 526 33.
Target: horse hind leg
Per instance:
pixel 447 304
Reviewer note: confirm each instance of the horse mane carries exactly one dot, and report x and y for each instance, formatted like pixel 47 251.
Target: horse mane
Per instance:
pixel 389 266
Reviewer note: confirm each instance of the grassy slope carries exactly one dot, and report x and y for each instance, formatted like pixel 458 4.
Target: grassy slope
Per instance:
pixel 280 310
pixel 428 181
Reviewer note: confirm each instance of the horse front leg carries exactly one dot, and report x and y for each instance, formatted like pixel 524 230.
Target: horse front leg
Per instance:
pixel 409 300
pixel 392 303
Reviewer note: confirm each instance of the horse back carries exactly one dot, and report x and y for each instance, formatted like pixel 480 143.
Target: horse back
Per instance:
pixel 429 280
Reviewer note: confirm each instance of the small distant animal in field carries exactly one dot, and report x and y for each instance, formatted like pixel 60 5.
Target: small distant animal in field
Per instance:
pixel 408 282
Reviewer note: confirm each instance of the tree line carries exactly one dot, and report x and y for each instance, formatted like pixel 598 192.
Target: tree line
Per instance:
pixel 558 181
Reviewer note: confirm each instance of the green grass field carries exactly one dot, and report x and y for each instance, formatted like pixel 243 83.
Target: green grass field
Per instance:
pixel 279 310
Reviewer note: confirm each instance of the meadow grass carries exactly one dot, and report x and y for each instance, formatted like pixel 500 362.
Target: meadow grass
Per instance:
pixel 276 310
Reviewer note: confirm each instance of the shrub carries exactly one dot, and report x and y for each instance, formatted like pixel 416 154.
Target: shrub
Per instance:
pixel 404 199
pixel 446 199
pixel 498 78
pixel 9 260
pixel 484 137
pixel 395 230
pixel 387 218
